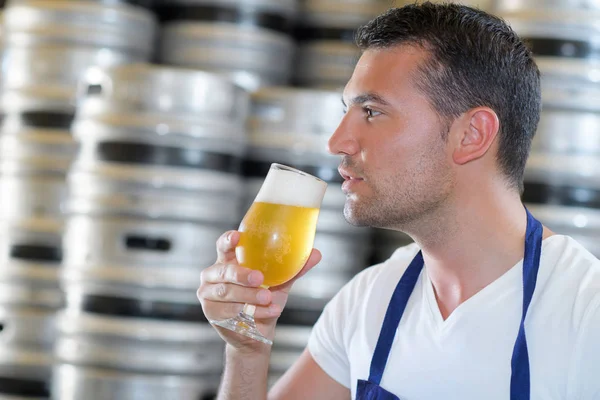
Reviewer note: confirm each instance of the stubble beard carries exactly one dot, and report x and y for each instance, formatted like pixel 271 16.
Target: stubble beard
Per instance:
pixel 403 206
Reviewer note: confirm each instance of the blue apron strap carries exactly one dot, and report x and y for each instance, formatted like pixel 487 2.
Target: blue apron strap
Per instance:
pixel 520 387
pixel 392 318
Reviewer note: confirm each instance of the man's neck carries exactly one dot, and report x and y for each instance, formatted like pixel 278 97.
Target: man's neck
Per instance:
pixel 472 244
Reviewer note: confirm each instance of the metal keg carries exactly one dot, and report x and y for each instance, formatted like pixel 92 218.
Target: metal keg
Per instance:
pixel 162 127
pixel 113 25
pixel 76 383
pixel 555 28
pixel 566 148
pixel 36 149
pixel 327 53
pixel 148 354
pixel 581 223
pixel 247 40
pixel 281 130
pixel 151 259
pixel 288 345
pixel 30 256
pixel 562 179
pixel 26 352
pixel 51 43
pixel 155 183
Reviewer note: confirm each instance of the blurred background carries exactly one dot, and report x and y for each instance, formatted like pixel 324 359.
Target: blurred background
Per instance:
pixel 135 132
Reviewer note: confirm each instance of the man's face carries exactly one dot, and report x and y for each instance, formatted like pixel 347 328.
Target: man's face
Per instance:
pixel 394 159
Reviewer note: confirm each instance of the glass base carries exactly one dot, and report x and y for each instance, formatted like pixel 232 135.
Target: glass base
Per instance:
pixel 244 325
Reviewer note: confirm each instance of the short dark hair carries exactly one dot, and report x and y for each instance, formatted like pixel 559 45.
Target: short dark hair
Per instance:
pixel 476 59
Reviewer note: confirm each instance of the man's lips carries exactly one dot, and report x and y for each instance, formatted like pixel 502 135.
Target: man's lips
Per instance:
pixel 350 180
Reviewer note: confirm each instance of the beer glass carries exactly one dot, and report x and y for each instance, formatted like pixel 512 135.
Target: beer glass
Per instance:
pixel 277 235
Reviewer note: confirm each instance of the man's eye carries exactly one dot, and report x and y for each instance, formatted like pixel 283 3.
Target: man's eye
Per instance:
pixel 371 113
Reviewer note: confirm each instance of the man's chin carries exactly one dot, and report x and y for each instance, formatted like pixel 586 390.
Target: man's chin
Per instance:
pixel 354 218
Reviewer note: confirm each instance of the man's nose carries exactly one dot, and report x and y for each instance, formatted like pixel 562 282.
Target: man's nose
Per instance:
pixel 343 141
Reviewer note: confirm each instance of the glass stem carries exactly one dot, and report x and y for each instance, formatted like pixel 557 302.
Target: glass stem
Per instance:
pixel 249 310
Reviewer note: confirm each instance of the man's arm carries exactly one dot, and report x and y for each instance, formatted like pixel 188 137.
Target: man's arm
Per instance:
pixel 245 375
pixel 307 380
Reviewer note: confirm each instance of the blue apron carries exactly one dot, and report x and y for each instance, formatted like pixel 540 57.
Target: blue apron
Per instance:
pixel 519 381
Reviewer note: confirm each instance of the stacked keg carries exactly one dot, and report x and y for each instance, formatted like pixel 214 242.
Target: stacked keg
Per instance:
pixel 562 183
pixel 284 129
pixel 47 46
pixel 30 255
pixel 327 52
pixel 247 40
pixel 155 183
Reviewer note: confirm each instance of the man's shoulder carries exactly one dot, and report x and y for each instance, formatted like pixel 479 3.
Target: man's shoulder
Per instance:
pixel 566 258
pixel 570 278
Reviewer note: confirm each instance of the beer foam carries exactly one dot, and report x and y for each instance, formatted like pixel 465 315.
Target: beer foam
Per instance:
pixel 292 189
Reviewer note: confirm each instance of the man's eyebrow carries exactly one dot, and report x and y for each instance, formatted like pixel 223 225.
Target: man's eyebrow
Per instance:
pixel 367 97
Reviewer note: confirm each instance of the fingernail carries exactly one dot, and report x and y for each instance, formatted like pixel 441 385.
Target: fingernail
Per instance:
pixel 255 278
pixel 263 296
pixel 229 236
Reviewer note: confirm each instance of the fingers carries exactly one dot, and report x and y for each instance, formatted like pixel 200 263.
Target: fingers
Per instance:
pixel 232 273
pixel 229 310
pixel 226 246
pixel 230 293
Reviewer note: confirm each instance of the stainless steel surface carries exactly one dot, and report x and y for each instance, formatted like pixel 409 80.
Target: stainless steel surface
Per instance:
pixel 170 108
pixel 120 193
pixel 139 345
pixel 326 64
pixel 156 93
pixel 583 224
pixel 286 115
pixel 265 56
pixel 283 7
pixel 556 23
pixel 288 345
pixel 341 13
pixel 47 76
pixel 23 327
pixel 564 169
pixel 568 132
pixel 26 342
pixel 77 383
pixel 283 124
pixel 33 166
pixel 46 149
pixel 31 195
pixel 26 276
pixel 566 148
pixel 563 5
pixel 253 56
pixel 92 240
pixel 105 25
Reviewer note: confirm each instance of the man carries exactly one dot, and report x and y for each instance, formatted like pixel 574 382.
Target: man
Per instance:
pixel 441 111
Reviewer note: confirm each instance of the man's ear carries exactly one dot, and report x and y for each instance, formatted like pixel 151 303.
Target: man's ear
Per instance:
pixel 475 132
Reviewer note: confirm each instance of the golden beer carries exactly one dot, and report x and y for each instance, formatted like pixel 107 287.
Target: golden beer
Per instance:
pixel 277 235
pixel 277 240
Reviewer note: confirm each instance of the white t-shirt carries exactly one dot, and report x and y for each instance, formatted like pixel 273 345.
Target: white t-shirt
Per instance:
pixel 468 356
